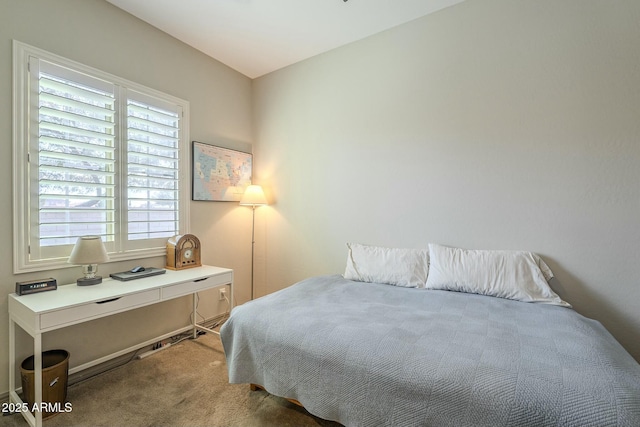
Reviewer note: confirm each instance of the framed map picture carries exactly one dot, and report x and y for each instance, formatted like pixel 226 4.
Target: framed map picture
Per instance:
pixel 219 174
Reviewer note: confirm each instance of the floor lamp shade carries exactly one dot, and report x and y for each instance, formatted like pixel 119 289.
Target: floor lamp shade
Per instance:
pixel 253 196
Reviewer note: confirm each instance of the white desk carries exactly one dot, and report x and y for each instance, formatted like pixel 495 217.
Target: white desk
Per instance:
pixel 71 304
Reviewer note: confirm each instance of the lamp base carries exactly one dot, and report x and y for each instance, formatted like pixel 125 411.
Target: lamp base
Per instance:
pixel 84 281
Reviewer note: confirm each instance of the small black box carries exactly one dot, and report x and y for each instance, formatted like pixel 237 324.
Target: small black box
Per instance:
pixel 35 286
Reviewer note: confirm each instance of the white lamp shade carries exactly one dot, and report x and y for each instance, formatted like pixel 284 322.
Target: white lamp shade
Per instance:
pixel 88 250
pixel 253 196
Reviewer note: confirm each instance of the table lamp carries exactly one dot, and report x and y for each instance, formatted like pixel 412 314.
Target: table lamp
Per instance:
pixel 89 251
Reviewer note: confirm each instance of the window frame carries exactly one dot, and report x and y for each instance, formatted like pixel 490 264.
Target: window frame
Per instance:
pixel 23 184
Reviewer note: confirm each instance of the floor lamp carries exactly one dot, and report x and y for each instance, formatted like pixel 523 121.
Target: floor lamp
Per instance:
pixel 253 196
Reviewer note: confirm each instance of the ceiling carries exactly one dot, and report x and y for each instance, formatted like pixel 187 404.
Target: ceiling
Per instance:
pixel 256 37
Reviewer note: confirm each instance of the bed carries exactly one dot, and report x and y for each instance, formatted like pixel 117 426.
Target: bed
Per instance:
pixel 365 353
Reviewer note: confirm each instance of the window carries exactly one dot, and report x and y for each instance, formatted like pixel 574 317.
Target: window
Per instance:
pixel 93 155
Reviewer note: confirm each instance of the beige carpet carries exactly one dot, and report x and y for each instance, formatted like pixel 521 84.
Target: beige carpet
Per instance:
pixel 184 385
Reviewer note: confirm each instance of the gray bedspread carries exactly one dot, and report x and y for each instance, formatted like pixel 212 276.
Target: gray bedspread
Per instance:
pixel 368 354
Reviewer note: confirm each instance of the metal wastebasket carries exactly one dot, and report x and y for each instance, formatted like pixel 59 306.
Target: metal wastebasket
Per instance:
pixel 55 373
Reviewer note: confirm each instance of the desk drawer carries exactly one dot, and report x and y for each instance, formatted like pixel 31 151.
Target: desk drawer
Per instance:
pixel 94 310
pixel 187 288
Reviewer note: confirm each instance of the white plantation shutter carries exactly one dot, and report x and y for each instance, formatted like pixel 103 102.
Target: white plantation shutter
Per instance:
pixel 153 137
pixel 74 161
pixel 94 155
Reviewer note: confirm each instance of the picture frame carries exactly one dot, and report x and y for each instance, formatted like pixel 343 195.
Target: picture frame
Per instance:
pixel 219 174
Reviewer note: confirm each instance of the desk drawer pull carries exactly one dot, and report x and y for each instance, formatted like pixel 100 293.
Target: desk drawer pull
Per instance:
pixel 108 300
pixel 200 280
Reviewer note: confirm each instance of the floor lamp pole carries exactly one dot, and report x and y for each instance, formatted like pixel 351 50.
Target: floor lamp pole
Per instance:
pixel 253 196
pixel 253 242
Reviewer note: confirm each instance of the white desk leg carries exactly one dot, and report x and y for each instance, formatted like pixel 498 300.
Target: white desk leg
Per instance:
pixel 195 319
pixel 12 356
pixel 37 365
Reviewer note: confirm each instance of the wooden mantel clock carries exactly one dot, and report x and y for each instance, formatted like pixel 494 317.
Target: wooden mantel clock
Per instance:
pixel 183 251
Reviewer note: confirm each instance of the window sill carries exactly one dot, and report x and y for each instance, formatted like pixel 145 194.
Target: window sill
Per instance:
pixel 60 263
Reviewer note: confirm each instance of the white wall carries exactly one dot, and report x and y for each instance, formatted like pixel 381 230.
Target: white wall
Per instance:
pixel 98 34
pixel 492 124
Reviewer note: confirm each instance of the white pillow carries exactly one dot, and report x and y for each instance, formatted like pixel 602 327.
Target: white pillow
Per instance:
pixel 399 267
pixel 516 275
